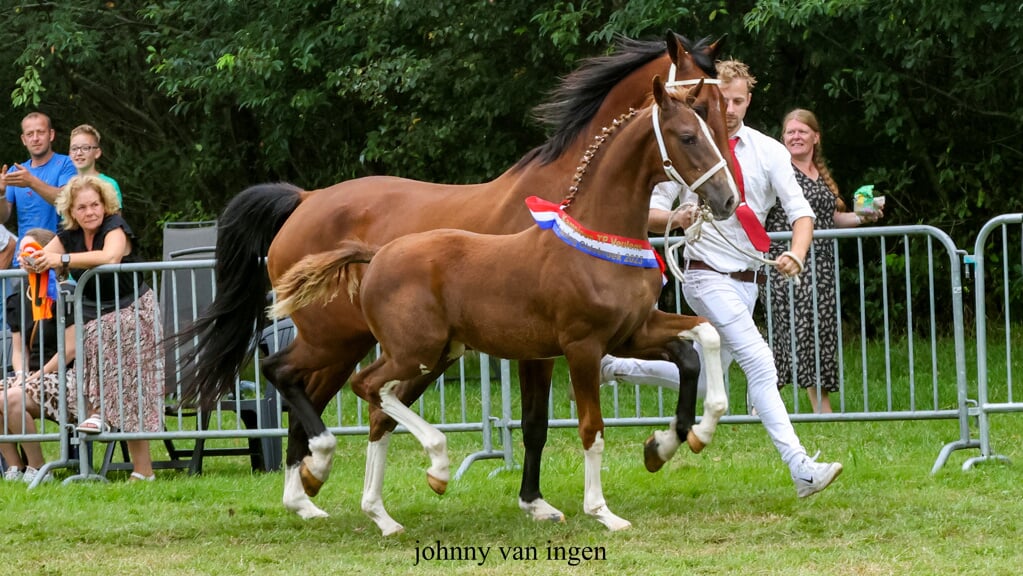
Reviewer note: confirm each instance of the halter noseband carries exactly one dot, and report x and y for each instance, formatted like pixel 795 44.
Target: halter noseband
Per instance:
pixel 669 168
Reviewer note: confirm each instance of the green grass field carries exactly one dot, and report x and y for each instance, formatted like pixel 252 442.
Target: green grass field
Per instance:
pixel 730 510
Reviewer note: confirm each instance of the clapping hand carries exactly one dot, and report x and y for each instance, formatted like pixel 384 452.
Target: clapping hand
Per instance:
pixel 18 177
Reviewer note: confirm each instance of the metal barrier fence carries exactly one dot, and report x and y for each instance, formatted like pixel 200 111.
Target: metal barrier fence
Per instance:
pixel 998 250
pixel 893 356
pixel 914 380
pixel 459 402
pixel 11 282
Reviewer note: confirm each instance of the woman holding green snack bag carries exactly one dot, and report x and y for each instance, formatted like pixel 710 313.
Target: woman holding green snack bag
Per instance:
pixel 810 303
pixel 866 205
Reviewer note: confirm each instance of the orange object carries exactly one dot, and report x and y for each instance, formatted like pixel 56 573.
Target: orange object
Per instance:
pixel 38 284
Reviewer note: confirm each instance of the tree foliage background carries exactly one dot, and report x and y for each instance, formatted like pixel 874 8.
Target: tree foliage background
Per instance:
pixel 198 99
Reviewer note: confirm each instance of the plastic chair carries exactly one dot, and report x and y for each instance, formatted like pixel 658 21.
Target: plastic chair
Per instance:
pixel 184 294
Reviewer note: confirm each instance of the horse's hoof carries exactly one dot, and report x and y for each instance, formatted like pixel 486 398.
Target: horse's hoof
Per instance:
pixel 396 529
pixel 311 484
pixel 312 512
pixel 541 511
pixel 695 444
pixel 651 458
pixel 436 484
pixel 619 525
pixel 613 522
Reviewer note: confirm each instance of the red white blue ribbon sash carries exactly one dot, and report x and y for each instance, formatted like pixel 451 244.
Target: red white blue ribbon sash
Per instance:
pixel 610 247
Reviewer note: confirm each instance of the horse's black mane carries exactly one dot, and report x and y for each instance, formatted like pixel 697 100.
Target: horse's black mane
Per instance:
pixel 570 107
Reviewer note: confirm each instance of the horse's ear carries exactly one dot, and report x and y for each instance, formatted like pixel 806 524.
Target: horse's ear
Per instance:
pixel 683 60
pixel 674 47
pixel 660 93
pixel 693 94
pixel 714 48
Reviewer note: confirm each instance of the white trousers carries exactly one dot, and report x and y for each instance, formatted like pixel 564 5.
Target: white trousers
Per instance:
pixel 660 373
pixel 728 304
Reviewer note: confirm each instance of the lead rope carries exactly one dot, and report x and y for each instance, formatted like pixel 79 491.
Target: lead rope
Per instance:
pixel 695 234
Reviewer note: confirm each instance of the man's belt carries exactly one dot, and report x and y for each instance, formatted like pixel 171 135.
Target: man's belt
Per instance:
pixel 757 277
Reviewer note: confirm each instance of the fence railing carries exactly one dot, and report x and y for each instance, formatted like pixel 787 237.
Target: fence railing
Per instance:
pixel 899 302
pixel 900 324
pixel 998 253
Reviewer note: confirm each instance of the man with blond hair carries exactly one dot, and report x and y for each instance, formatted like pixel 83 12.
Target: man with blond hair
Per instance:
pixel 723 269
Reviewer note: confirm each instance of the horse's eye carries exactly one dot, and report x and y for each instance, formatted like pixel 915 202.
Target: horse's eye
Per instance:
pixel 688 139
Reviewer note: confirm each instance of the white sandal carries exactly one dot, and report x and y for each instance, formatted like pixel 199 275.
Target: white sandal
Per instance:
pixel 136 477
pixel 93 425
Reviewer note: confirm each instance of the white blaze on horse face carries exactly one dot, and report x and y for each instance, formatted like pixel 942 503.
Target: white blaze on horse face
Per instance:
pixel 669 168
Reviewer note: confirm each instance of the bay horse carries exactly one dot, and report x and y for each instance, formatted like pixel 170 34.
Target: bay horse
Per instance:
pixel 334 337
pixel 556 289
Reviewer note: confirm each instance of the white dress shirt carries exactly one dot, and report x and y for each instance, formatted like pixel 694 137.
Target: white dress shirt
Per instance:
pixel 768 177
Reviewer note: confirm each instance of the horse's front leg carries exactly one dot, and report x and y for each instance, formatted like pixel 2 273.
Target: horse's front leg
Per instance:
pixel 715 403
pixel 535 388
pixel 584 367
pixel 658 338
pixel 662 445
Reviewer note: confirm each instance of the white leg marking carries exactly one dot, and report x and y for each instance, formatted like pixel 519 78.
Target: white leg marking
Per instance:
pixel 667 442
pixel 295 498
pixel 540 510
pixel 322 457
pixel 593 499
pixel 715 404
pixel 373 486
pixel 433 440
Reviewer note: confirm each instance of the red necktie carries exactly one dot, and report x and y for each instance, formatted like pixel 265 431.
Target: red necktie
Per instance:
pixel 750 223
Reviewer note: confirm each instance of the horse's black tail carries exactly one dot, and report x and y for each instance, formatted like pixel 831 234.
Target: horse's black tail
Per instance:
pixel 224 335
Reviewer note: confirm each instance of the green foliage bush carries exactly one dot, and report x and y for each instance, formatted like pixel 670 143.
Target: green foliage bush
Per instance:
pixel 199 100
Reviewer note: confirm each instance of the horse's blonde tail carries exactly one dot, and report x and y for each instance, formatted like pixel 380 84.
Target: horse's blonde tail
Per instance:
pixel 318 277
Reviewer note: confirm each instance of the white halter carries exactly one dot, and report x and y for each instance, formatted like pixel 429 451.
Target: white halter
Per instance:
pixel 671 250
pixel 672 83
pixel 669 169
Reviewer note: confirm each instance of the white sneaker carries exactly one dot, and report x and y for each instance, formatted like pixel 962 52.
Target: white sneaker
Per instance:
pixel 30 475
pixel 12 474
pixel 811 476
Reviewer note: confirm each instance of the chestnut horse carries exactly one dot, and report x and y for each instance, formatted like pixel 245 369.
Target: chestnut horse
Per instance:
pixel 551 290
pixel 333 338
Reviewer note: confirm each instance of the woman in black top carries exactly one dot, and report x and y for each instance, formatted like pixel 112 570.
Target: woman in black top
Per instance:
pixel 127 330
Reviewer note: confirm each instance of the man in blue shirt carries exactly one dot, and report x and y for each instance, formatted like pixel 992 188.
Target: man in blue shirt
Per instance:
pixel 31 188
